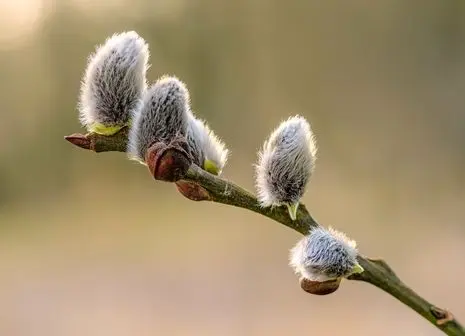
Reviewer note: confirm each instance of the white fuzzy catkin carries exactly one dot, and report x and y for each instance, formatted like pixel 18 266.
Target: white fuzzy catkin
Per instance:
pixel 323 255
pixel 162 118
pixel 114 81
pixel 205 145
pixel 285 163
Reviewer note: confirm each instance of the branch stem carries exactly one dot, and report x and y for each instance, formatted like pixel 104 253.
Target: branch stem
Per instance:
pixel 376 271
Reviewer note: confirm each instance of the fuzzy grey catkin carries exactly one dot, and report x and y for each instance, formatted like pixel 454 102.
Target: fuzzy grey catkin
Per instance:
pixel 113 83
pixel 285 164
pixel 194 141
pixel 206 149
pixel 162 118
pixel 324 254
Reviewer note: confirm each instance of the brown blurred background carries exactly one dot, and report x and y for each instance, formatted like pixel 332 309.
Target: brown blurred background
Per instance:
pixel 91 245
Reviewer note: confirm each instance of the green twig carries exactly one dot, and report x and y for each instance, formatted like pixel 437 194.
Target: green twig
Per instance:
pixel 376 272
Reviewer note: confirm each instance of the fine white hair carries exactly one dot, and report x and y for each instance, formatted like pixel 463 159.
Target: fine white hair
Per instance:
pixel 204 144
pixel 162 118
pixel 324 254
pixel 114 81
pixel 285 163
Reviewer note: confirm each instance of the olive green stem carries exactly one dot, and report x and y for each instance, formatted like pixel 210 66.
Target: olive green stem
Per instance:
pixel 376 271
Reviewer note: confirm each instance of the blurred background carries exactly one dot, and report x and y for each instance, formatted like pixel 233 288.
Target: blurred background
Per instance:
pixel 91 245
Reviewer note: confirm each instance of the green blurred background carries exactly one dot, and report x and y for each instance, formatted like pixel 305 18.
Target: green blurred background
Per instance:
pixel 91 245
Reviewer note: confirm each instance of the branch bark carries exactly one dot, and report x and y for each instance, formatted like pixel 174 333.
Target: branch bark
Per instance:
pixel 376 271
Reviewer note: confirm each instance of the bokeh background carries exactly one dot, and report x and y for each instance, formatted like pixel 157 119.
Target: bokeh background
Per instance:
pixel 91 245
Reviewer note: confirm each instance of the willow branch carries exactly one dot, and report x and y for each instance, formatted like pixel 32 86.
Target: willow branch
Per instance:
pixel 376 271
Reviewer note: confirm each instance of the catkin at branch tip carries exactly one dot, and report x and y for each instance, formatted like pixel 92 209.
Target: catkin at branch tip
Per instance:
pixel 114 81
pixel 285 163
pixel 324 254
pixel 162 117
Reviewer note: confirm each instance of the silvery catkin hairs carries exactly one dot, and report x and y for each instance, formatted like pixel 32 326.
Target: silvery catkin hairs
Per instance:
pixel 325 254
pixel 206 149
pixel 285 164
pixel 113 83
pixel 162 118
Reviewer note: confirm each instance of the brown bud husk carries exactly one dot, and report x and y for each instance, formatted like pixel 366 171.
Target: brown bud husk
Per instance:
pixel 167 162
pixel 193 191
pixel 79 140
pixel 320 288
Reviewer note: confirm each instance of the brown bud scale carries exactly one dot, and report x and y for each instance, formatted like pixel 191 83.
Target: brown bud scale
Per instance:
pixel 167 162
pixel 320 288
pixel 193 191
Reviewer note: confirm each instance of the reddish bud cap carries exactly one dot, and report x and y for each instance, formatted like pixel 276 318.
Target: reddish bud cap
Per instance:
pixel 320 288
pixel 167 162
pixel 193 191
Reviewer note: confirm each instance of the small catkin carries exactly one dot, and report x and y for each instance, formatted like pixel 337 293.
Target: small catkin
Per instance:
pixel 114 82
pixel 324 254
pixel 285 163
pixel 162 118
pixel 206 149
